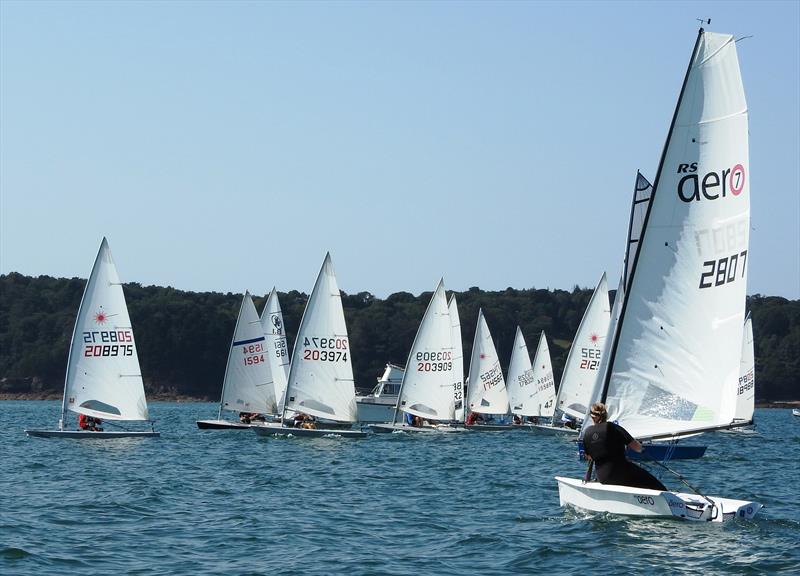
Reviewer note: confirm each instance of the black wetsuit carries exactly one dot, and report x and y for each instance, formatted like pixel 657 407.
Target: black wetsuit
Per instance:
pixel 605 443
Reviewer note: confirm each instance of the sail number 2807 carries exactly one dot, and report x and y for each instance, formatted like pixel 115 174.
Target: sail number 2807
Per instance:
pixel 723 271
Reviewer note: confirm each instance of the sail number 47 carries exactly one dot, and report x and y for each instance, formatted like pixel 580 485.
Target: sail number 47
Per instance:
pixel 722 271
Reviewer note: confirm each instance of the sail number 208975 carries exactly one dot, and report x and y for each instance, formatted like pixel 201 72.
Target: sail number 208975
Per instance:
pixel 724 270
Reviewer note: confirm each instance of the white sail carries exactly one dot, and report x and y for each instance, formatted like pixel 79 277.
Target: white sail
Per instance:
pixel 531 388
pixel 277 348
pixel 545 397
pixel 428 382
pixel 458 360
pixel 321 373
pixel 520 377
pixel 247 386
pixel 486 390
pixel 642 192
pixel 103 375
pixel 582 368
pixel 746 389
pixel 677 349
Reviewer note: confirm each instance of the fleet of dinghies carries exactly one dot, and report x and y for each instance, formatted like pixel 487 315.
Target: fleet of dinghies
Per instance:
pixel 673 357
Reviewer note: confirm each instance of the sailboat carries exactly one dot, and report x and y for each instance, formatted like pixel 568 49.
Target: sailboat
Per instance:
pixel 430 388
pixel 277 348
pixel 677 346
pixel 582 367
pixel 745 386
pixel 247 386
pixel 486 388
pixel 531 388
pixel 320 383
pixel 103 376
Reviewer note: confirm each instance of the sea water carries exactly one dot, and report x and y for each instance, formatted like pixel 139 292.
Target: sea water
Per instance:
pixel 228 502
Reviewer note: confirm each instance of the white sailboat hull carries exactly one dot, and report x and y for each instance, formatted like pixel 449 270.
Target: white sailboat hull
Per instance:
pixel 552 429
pixel 389 428
pixel 491 427
pixel 89 435
pixel 624 500
pixel 221 425
pixel 275 429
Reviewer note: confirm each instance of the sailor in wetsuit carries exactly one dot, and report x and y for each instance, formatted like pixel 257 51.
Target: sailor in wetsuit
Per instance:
pixel 605 442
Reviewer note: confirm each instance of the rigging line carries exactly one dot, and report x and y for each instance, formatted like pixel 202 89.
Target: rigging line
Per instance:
pixel 681 478
pixel 109 423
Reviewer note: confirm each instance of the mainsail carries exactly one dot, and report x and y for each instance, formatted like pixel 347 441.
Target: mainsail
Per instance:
pixel 321 373
pixel 677 349
pixel 642 191
pixel 487 386
pixel 458 359
pixel 277 348
pixel 103 375
pixel 429 381
pixel 746 388
pixel 246 386
pixel 585 356
pixel 531 388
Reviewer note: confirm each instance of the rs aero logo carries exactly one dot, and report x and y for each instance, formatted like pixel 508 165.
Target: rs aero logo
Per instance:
pixel 711 186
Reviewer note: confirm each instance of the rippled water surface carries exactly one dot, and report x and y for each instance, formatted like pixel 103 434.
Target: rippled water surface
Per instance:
pixel 214 502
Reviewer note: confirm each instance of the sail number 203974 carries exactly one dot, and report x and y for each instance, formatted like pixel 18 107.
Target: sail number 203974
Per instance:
pixel 325 349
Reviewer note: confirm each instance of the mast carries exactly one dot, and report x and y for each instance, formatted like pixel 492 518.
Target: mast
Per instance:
pixel 615 344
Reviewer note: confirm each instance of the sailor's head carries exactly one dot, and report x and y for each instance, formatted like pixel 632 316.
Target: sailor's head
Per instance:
pixel 599 412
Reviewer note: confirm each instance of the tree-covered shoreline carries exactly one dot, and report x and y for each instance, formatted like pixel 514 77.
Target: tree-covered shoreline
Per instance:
pixel 183 337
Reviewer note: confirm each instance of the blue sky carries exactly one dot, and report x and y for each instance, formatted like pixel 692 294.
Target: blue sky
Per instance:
pixel 228 146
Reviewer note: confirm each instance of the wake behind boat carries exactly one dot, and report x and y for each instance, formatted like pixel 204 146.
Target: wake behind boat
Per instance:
pixel 103 380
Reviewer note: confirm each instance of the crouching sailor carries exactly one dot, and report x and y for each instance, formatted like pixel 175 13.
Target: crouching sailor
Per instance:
pixel 604 443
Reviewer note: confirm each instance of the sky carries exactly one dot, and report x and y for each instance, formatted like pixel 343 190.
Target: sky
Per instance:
pixel 224 146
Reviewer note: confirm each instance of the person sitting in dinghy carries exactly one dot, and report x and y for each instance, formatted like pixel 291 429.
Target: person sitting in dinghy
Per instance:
pixel 605 442
pixel 89 423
